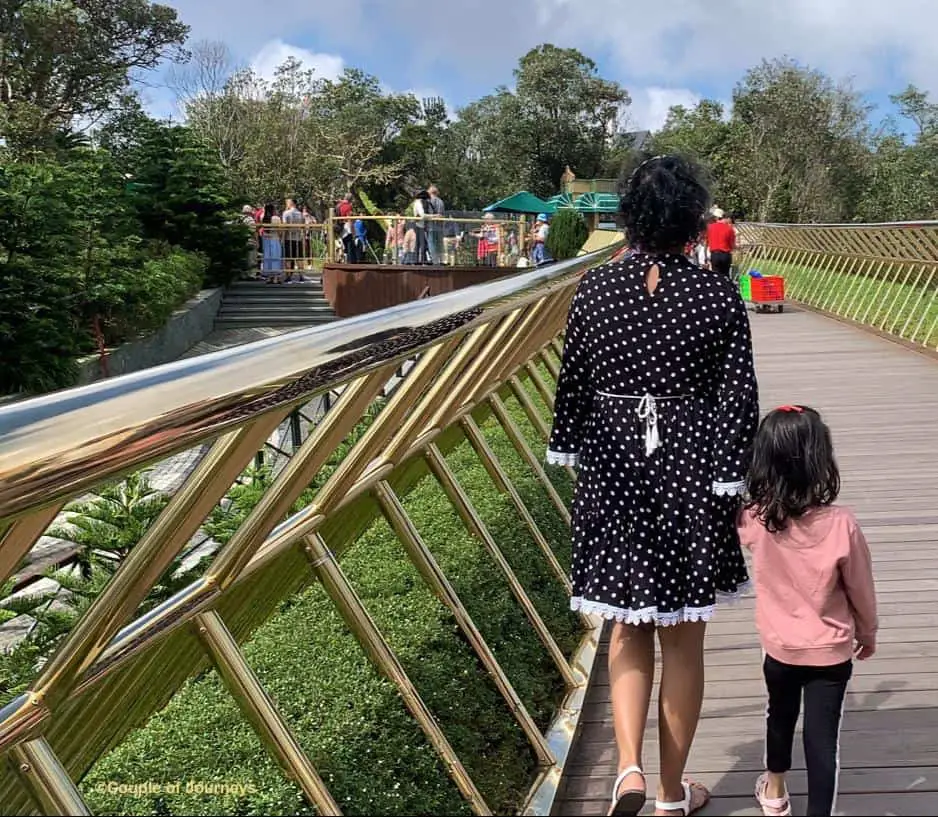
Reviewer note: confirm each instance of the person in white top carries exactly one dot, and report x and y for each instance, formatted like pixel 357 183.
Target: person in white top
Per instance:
pixel 293 244
pixel 540 254
pixel 421 212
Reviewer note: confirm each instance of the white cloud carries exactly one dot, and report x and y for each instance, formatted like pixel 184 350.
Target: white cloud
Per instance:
pixel 688 41
pixel 650 106
pixel 276 52
pixel 670 44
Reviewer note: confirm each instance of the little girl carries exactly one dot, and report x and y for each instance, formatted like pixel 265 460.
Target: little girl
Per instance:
pixel 815 600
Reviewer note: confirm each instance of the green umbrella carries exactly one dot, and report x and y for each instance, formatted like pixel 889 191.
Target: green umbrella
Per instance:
pixel 523 202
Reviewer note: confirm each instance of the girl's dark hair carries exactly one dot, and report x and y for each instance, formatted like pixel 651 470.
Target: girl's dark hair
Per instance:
pixel 663 203
pixel 792 468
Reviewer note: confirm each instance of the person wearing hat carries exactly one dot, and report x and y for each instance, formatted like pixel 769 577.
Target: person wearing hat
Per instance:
pixel 721 241
pixel 539 253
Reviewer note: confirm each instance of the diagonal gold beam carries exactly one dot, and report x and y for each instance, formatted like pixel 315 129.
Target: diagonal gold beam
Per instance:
pixel 524 398
pixel 17 539
pixel 434 576
pixel 546 392
pixel 363 627
pixel 312 455
pixel 476 526
pixel 153 555
pixel 514 434
pixel 497 472
pixel 260 710
pixel 552 365
pixel 537 419
pixel 46 780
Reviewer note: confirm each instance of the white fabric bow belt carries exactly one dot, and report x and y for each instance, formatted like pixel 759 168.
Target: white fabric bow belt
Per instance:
pixel 647 411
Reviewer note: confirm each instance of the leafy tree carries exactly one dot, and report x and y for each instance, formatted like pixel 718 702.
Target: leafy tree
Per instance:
pixel 300 135
pixel 914 104
pixel 568 114
pixel 568 233
pixel 798 144
pixel 704 134
pixel 108 526
pixel 75 273
pixel 560 113
pixel 61 60
pixel 903 180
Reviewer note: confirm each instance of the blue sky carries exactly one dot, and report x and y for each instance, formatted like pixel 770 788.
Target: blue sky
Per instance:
pixel 666 52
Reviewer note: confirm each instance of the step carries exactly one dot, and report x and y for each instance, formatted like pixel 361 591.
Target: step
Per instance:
pixel 251 321
pixel 275 309
pixel 263 286
pixel 305 300
pixel 269 291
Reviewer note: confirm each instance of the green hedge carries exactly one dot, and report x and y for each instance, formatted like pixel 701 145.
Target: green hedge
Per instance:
pixel 350 720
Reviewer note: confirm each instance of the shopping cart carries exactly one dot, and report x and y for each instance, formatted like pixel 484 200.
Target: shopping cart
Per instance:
pixel 765 292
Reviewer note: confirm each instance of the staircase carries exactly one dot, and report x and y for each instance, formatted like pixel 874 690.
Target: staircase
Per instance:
pixel 248 304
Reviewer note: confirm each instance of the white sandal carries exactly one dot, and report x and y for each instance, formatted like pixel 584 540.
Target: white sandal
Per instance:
pixel 684 806
pixel 772 806
pixel 630 802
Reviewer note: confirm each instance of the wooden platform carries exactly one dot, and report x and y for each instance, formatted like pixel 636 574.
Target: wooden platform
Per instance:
pixel 881 401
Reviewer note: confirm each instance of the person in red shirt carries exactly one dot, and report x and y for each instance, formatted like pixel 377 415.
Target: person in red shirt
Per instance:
pixel 344 208
pixel 721 241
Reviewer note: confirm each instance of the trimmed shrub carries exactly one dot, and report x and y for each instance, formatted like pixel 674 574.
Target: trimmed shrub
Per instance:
pixel 568 233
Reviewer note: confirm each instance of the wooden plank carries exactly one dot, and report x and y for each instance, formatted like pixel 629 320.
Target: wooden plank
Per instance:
pixel 880 400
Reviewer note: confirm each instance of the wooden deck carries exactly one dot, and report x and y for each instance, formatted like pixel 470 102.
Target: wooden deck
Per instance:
pixel 881 401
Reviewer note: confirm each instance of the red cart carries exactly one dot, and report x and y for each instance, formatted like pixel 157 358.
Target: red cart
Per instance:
pixel 768 293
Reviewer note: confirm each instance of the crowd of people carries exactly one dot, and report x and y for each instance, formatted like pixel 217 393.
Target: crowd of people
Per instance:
pixel 289 239
pixel 657 405
pixel 284 240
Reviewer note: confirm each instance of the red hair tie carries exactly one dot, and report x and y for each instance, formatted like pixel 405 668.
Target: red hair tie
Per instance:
pixel 797 409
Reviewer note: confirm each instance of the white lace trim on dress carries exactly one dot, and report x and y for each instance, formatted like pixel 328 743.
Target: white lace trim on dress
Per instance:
pixel 729 488
pixel 562 458
pixel 650 615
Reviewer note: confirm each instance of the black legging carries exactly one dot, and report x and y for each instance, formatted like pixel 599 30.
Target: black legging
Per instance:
pixel 721 262
pixel 422 245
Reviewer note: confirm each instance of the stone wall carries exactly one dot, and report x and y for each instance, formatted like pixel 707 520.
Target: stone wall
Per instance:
pixel 189 325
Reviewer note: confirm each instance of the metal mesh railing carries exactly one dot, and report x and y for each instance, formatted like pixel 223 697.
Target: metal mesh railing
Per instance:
pixel 438 241
pixel 883 276
pixel 399 389
pixel 281 252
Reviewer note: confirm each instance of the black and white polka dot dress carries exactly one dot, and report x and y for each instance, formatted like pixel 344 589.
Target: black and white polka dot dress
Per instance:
pixel 657 403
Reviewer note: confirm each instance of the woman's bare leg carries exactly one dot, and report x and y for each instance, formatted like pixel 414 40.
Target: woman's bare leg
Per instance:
pixel 679 702
pixel 631 674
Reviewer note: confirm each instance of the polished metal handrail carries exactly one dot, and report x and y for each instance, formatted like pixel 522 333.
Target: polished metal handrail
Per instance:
pixel 63 443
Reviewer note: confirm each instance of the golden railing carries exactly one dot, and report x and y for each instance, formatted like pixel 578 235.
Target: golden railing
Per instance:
pixel 280 251
pixel 438 240
pixel 883 276
pixel 473 351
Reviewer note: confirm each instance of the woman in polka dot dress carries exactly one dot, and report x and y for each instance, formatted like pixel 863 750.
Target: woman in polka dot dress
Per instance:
pixel 656 404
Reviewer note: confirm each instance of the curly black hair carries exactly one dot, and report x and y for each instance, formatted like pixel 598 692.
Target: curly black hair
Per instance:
pixel 663 203
pixel 792 467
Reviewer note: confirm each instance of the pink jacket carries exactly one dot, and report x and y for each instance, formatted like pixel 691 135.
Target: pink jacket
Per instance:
pixel 814 586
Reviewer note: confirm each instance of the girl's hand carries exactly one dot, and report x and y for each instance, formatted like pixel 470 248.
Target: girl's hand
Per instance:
pixel 865 651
